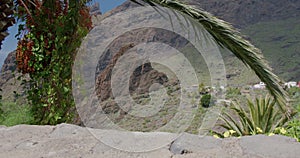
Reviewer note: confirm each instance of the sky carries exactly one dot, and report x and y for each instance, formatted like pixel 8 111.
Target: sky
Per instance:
pixel 10 42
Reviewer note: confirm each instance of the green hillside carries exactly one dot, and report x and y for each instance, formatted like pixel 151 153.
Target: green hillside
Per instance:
pixel 280 43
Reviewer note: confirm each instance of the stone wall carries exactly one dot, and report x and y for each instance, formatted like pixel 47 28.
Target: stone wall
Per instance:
pixel 64 140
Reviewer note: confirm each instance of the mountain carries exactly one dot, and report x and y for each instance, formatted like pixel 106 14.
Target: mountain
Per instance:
pixel 8 68
pixel 2 58
pixel 243 13
pixel 272 25
pixel 280 42
pixel 258 20
pixel 12 88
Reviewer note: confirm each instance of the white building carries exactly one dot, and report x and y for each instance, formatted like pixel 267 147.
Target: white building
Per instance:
pixel 260 85
pixel 290 84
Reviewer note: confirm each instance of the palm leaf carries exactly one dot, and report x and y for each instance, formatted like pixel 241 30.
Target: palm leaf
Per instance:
pixel 248 124
pixel 232 123
pixel 262 114
pixel 253 110
pixel 6 18
pixel 227 37
pixel 266 119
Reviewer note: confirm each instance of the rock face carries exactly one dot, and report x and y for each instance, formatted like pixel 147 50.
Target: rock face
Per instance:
pixel 140 82
pixel 142 77
pixel 10 62
pixel 95 9
pixel 9 82
pixel 72 141
pixel 8 67
pixel 245 12
pixel 241 12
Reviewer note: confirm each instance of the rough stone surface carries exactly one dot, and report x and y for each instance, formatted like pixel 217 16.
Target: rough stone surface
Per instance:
pixel 66 140
pixel 8 68
pixel 244 12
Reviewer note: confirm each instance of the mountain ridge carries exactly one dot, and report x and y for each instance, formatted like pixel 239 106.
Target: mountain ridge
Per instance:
pixel 248 16
pixel 273 13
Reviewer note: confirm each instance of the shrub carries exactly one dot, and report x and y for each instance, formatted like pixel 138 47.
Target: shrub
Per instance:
pixel 202 89
pixel 261 117
pixel 293 129
pixel 232 92
pixel 205 100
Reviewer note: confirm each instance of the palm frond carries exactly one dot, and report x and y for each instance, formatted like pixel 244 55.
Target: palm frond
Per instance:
pixel 230 123
pixel 262 117
pixel 6 18
pixel 228 37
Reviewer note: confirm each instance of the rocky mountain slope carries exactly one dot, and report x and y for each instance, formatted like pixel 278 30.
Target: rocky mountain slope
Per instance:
pixel 8 68
pixel 264 22
pixel 73 141
pixel 12 89
pixel 236 72
pixel 243 13
pixel 272 25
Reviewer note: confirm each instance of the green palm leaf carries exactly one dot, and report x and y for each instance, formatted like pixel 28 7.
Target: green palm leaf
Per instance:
pixel 6 18
pixel 261 116
pixel 230 123
pixel 227 37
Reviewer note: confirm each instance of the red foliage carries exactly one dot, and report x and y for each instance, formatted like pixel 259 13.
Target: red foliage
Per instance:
pixel 32 9
pixel 86 20
pixel 23 56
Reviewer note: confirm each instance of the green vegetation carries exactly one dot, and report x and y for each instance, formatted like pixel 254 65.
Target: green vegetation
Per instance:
pixel 279 41
pixel 292 129
pixel 260 117
pixel 14 114
pixel 233 92
pixel 229 38
pixel 52 33
pixel 197 121
pixel 205 100
pixel 48 40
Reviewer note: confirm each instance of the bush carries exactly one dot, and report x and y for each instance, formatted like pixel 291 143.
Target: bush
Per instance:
pixel 205 100
pixel 233 92
pixel 294 91
pixel 293 129
pixel 260 117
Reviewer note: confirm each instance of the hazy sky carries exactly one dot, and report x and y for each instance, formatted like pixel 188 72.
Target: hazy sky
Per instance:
pixel 10 42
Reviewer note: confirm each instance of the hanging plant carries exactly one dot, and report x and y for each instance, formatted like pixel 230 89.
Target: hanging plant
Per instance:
pixel 47 45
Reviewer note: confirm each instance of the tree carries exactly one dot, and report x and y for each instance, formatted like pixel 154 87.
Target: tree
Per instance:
pixel 48 40
pixel 227 37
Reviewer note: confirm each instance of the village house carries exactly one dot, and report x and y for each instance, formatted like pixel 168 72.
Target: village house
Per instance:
pixel 260 85
pixel 290 84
